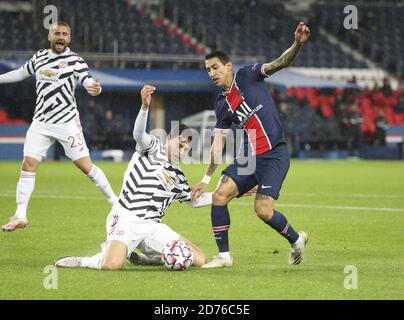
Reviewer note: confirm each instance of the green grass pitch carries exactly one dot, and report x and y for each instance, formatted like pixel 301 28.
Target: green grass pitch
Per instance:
pixel 352 210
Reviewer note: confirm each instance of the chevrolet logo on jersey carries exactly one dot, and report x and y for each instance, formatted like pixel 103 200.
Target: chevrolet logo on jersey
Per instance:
pixel 165 180
pixel 48 73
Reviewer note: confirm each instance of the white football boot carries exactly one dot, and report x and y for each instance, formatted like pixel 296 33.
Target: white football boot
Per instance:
pixel 218 262
pixel 297 249
pixel 68 262
pixel 15 223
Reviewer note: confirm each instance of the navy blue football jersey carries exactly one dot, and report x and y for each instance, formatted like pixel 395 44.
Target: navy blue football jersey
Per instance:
pixel 250 106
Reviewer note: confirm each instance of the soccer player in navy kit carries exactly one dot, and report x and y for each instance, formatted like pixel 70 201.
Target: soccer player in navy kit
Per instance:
pixel 247 103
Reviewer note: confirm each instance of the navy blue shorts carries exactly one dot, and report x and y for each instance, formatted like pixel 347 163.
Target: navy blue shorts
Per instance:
pixel 270 171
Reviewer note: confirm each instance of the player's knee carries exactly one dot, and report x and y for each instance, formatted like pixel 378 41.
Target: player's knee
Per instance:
pixel 219 198
pixel 112 265
pixel 30 165
pixel 85 164
pixel 264 211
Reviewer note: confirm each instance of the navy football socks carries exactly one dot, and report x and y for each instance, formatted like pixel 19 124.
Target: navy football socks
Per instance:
pixel 220 225
pixel 280 224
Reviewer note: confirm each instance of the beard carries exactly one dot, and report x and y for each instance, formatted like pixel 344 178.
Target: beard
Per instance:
pixel 59 46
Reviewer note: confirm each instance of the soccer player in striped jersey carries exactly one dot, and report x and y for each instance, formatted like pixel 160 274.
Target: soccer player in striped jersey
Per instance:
pixel 56 116
pixel 151 183
pixel 246 102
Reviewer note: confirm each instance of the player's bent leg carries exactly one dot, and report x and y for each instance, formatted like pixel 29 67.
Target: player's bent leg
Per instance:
pixel 111 257
pixel 225 191
pixel 199 256
pixel 264 208
pixel 97 176
pixel 114 256
pixel 25 187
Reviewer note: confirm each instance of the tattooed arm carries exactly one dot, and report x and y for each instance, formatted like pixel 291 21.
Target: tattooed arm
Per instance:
pixel 301 35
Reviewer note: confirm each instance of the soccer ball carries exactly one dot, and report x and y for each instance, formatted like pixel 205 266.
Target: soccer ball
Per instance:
pixel 177 255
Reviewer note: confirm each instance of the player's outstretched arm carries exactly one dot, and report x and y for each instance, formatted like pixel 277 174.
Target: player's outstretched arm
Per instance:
pixel 215 153
pixel 81 72
pixel 14 76
pixel 139 132
pixel 204 200
pixel 301 35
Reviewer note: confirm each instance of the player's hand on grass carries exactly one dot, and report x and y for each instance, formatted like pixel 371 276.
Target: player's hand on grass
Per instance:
pixel 197 190
pixel 95 88
pixel 302 33
pixel 146 93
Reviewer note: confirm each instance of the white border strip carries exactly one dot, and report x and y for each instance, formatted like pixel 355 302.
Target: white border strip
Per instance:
pixel 7 140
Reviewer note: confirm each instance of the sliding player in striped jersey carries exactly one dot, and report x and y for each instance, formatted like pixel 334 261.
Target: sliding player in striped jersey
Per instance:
pixel 56 116
pixel 151 182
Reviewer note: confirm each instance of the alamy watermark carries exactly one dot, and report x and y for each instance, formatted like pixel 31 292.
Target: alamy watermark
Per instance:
pixel 50 282
pixel 239 145
pixel 351 280
pixel 351 20
pixel 52 16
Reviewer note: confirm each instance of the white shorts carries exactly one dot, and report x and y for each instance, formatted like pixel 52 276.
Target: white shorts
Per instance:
pixel 148 236
pixel 40 136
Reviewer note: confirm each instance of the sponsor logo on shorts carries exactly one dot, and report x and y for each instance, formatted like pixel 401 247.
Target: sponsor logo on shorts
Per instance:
pixel 113 224
pixel 266 187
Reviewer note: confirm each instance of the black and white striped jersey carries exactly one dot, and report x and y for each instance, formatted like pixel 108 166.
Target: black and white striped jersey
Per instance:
pixel 56 76
pixel 151 183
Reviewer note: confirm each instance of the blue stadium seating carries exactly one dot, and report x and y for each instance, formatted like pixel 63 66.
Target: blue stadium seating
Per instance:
pixel 255 28
pixel 238 27
pixel 379 34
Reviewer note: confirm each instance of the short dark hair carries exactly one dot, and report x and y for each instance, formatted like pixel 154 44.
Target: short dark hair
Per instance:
pixel 177 131
pixel 61 24
pixel 222 56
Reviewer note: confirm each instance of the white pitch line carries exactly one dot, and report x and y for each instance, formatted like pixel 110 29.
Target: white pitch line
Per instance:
pixel 317 206
pixel 7 193
pixel 243 203
pixel 53 196
pixel 346 195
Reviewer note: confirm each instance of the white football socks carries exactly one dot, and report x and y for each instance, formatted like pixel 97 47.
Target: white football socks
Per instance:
pixel 225 255
pixel 93 262
pixel 97 176
pixel 25 186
